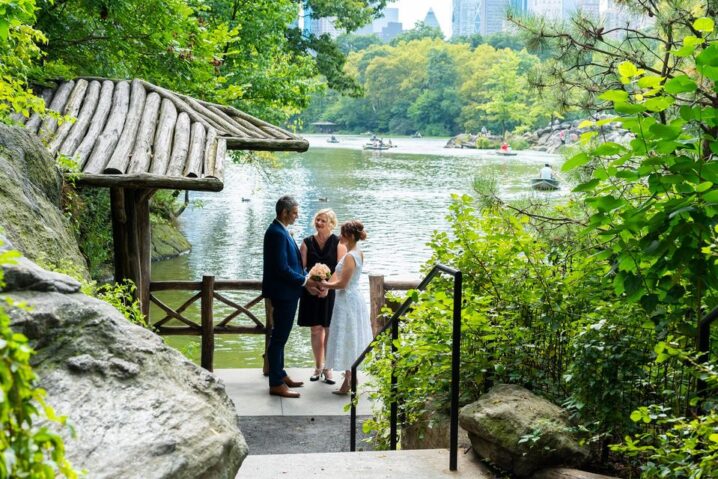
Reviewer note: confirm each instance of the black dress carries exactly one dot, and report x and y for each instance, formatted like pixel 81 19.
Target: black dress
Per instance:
pixel 315 311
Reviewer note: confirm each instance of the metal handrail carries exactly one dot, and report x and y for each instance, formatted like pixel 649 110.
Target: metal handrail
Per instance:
pixel 455 365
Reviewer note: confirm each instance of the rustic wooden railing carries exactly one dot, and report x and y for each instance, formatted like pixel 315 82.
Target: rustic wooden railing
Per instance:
pixel 207 291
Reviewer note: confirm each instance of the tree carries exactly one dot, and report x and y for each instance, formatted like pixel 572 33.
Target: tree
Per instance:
pixel 349 42
pixel 421 30
pixel 436 110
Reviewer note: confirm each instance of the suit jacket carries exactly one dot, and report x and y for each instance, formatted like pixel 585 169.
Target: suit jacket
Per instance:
pixel 283 274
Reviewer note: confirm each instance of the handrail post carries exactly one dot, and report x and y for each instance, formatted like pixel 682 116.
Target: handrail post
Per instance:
pixel 393 429
pixel 377 298
pixel 455 373
pixel 207 322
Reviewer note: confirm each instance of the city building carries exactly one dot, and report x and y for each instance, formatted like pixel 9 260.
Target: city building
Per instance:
pixel 519 7
pixel 614 16
pixel 464 18
pixel 590 8
pixel 491 16
pixel 430 19
pixel 549 9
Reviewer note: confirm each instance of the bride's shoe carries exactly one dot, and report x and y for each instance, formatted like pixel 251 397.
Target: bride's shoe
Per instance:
pixel 326 373
pixel 317 374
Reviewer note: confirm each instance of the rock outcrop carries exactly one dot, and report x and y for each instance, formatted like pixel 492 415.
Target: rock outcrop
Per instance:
pixel 553 137
pixel 30 191
pixel 168 242
pixel 139 409
pixel 500 419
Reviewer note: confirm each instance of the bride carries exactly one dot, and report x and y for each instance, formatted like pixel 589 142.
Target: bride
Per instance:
pixel 351 330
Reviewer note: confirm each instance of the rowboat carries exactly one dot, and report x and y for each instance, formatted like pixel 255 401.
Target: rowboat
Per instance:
pixel 544 184
pixel 506 153
pixel 369 146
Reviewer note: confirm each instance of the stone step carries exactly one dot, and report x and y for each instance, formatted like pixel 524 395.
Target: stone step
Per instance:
pixel 406 464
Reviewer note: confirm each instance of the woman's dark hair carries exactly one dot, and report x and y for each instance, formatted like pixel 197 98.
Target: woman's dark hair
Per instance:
pixel 354 229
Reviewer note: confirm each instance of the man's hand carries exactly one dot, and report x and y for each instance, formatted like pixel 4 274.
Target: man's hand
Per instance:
pixel 314 287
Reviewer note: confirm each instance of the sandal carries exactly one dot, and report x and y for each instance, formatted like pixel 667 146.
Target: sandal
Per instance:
pixel 325 373
pixel 317 374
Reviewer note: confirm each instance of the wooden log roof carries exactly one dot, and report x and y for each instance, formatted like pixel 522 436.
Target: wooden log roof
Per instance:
pixel 134 134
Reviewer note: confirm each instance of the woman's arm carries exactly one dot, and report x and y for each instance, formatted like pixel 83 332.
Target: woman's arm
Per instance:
pixel 341 281
pixel 303 253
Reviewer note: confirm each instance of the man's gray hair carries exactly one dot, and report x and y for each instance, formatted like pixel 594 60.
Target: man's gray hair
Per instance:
pixel 285 203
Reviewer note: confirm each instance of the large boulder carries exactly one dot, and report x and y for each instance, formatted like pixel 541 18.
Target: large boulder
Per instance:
pixel 139 409
pixel 30 192
pixel 498 421
pixel 168 242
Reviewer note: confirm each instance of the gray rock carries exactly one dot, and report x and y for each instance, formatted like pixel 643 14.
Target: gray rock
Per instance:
pixel 30 192
pixel 138 407
pixel 507 413
pixel 23 274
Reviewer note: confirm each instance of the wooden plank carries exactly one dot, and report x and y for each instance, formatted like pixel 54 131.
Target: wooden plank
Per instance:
pixel 220 124
pixel 78 130
pixel 172 314
pixel 179 310
pixel 141 154
pixel 72 108
pixel 210 151
pixel 239 330
pixel 239 310
pixel 219 159
pixel 238 284
pixel 256 122
pixel 49 124
pixel 181 105
pixel 97 124
pixel 175 285
pixel 178 331
pixel 35 120
pixel 237 126
pixel 106 142
pixel 207 352
pixel 180 146
pixel 146 180
pixel 120 158
pixel 162 148
pixel 401 285
pixel 235 143
pixel 196 150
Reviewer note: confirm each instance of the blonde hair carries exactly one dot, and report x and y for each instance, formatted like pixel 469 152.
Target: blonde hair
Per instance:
pixel 329 213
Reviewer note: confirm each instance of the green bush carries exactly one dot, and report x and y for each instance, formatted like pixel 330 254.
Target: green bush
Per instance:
pixel 28 448
pixel 484 143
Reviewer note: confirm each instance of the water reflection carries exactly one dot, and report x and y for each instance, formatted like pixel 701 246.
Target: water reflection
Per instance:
pixel 401 196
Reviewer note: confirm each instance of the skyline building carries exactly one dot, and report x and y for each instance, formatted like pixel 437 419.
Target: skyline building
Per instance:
pixel 491 16
pixel 431 20
pixel 464 20
pixel 591 8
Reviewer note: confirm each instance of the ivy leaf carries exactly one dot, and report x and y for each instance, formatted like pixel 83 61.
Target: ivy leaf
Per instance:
pixel 659 104
pixel 575 161
pixel 628 70
pixel 704 24
pixel 650 81
pixel 587 186
pixel 680 84
pixel 4 29
pixel 668 132
pixel 614 95
pixel 711 196
pixel 628 108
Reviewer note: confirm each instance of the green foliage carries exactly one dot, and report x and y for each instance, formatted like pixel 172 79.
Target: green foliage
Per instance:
pixel 436 87
pixel 123 297
pixel 485 143
pixel 419 32
pixel 89 213
pixel 19 50
pixel 27 449
pixel 654 201
pixel 678 446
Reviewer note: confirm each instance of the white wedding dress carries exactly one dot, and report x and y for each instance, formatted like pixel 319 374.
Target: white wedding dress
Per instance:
pixel 350 329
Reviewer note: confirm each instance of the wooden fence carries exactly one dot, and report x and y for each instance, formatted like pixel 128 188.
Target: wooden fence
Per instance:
pixel 208 290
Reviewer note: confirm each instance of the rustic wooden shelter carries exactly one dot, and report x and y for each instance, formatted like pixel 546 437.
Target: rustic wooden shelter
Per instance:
pixel 134 138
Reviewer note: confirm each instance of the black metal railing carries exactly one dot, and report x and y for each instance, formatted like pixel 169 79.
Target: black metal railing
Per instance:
pixel 393 323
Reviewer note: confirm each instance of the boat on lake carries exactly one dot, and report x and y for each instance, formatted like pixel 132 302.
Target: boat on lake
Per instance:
pixel 505 152
pixel 376 146
pixel 333 139
pixel 544 184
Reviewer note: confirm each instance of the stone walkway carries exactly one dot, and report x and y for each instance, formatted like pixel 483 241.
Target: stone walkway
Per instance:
pixel 309 437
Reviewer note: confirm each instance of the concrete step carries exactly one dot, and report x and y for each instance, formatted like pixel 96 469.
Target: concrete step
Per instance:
pixel 407 464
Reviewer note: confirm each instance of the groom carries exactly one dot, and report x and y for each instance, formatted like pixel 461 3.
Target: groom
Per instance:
pixel 282 283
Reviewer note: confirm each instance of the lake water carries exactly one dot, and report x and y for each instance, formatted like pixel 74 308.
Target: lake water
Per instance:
pixel 401 195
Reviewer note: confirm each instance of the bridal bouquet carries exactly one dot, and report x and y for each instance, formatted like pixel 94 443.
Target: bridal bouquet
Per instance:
pixel 319 272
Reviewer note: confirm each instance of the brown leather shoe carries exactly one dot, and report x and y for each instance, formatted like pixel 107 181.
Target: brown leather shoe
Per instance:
pixel 282 390
pixel 292 384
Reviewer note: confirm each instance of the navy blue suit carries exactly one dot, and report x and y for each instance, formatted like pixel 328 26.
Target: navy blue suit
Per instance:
pixel 282 282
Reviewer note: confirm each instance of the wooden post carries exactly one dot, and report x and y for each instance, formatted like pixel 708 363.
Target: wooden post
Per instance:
pixel 119 233
pixel 377 299
pixel 144 244
pixel 132 241
pixel 269 324
pixel 207 322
